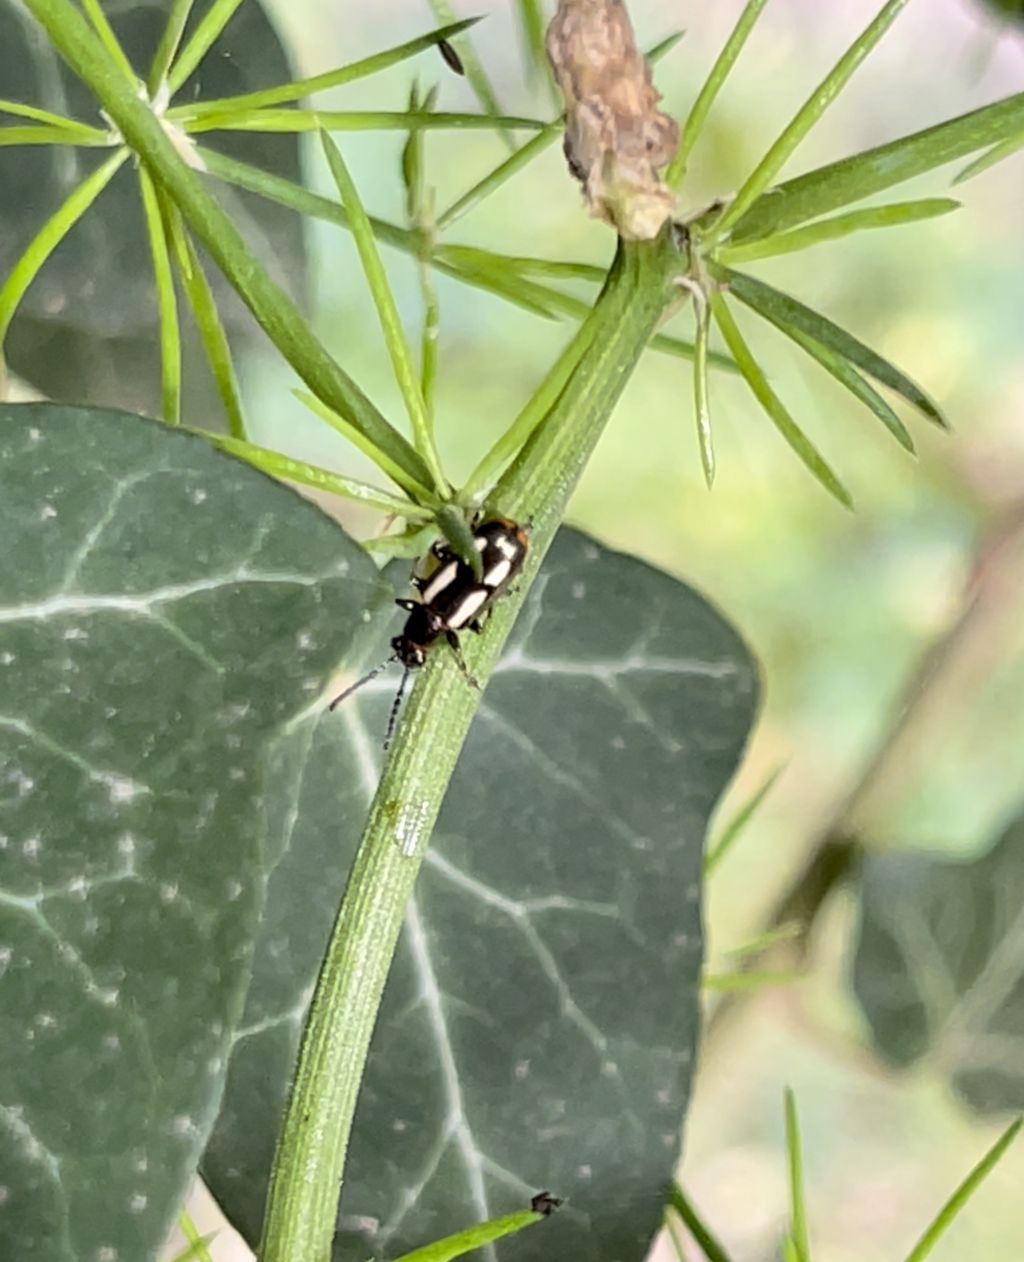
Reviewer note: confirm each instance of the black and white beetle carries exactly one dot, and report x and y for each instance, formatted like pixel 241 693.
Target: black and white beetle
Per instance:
pixel 452 599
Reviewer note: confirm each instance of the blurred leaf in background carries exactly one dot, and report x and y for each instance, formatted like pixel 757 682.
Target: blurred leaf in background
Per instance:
pixel 939 967
pixel 88 328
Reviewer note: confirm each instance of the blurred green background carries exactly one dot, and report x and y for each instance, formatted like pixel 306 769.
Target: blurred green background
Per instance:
pixel 838 606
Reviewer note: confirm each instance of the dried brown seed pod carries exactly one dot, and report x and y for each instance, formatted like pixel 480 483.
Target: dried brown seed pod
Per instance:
pixel 616 138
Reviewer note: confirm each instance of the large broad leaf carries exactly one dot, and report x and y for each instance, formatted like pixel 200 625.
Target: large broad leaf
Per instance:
pixel 539 1026
pixel 165 612
pixel 87 330
pixel 939 969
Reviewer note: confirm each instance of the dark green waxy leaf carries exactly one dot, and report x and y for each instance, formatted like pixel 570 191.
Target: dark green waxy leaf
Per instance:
pixel 939 967
pixel 538 1028
pixel 165 613
pixel 788 313
pixel 830 188
pixel 88 328
pixel 1007 8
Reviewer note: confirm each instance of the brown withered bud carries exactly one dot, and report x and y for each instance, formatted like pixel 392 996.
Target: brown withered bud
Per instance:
pixel 616 138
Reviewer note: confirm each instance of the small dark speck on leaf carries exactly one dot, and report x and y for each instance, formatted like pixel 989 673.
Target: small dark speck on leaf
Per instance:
pixel 544 1203
pixel 451 57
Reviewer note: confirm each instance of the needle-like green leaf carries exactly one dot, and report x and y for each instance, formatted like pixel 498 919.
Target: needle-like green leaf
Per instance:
pixel 387 312
pixel 749 979
pixel 1005 149
pixel 473 1238
pixel 300 120
pixel 892 215
pixel 50 235
pixel 292 470
pixel 787 313
pixel 734 829
pixel 701 409
pixel 798 1208
pixel 531 26
pixel 196 1250
pixel 711 1248
pixel 698 114
pixel 298 89
pixel 501 173
pixel 845 373
pixel 807 116
pixel 773 405
pixel 839 184
pixel 475 72
pixel 167 302
pixel 379 457
pixel 792 931
pixel 20 110
pixel 111 43
pixel 214 20
pixel 963 1194
pixel 454 526
pixel 41 135
pixel 168 46
pixel 207 317
pixel 419 209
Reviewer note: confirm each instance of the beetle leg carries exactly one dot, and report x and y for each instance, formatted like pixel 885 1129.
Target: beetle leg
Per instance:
pixel 453 643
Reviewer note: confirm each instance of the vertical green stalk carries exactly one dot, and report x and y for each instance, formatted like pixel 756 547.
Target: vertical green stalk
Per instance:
pixel 306 1180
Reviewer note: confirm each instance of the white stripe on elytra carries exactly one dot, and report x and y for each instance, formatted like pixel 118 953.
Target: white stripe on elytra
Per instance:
pixel 498 573
pixel 439 582
pixel 471 604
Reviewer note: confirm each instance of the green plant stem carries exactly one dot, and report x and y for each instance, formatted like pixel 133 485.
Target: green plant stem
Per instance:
pixel 274 310
pixel 306 1179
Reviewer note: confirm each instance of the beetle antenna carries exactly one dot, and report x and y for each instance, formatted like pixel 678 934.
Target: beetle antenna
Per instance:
pixel 359 682
pixel 396 705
